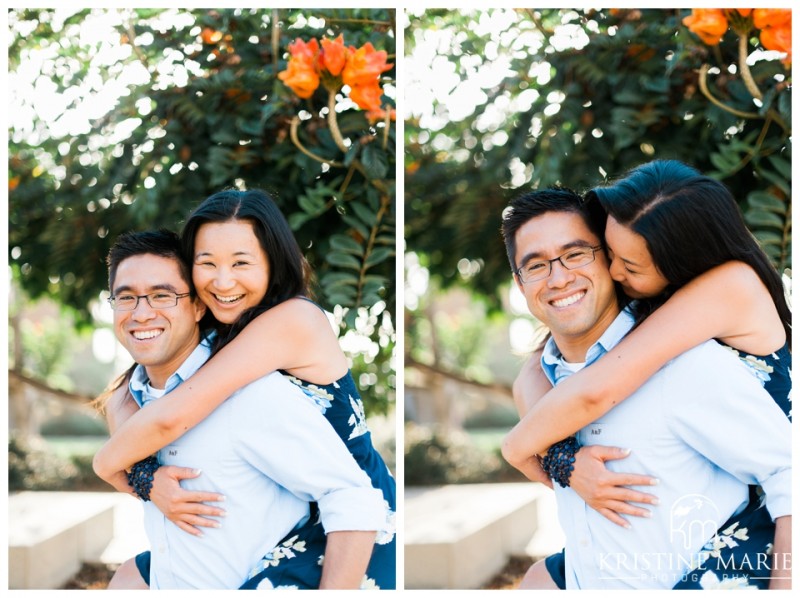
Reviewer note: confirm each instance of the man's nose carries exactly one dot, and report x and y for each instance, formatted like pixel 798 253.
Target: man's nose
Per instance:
pixel 559 275
pixel 143 311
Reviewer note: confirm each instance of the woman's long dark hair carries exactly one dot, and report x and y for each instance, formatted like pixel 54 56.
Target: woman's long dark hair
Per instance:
pixel 691 224
pixel 288 270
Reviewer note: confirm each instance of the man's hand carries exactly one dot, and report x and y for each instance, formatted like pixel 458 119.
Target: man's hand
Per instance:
pixel 606 491
pixel 184 508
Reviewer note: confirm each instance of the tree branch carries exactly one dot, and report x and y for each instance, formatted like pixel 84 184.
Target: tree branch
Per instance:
pixel 301 147
pixel 333 123
pixel 501 388
pixel 39 385
pixel 703 81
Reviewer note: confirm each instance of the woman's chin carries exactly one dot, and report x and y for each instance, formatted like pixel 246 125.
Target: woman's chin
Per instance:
pixel 633 294
pixel 227 317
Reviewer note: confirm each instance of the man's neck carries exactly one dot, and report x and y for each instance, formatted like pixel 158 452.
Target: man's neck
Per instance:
pixel 575 347
pixel 159 374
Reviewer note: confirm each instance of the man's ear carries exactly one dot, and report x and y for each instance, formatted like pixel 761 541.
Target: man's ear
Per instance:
pixel 199 309
pixel 519 283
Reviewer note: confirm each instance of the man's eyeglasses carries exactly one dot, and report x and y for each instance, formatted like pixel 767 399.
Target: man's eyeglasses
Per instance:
pixel 535 269
pixel 157 300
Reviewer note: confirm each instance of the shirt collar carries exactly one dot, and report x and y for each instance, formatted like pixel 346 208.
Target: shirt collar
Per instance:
pixel 140 380
pixel 552 359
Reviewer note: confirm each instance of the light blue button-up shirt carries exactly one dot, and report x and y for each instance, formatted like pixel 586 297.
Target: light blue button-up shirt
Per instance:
pixel 706 428
pixel 270 451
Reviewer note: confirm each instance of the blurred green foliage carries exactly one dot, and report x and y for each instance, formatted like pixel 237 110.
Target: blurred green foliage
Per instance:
pixel 200 109
pixel 576 97
pixel 438 455
pixel 32 465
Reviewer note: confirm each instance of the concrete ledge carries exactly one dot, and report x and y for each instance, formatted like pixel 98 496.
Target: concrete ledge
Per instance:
pixel 50 535
pixel 458 537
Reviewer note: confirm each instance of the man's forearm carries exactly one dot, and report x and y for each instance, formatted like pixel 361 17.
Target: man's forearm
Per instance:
pixel 347 555
pixel 781 578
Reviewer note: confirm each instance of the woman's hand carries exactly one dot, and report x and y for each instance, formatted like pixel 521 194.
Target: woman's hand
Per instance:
pixel 606 491
pixel 185 508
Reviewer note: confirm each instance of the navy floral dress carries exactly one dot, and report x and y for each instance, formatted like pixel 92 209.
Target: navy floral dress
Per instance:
pixel 297 562
pixel 739 555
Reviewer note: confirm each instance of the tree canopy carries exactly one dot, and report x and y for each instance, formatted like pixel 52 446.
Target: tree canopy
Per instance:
pixel 195 105
pixel 501 101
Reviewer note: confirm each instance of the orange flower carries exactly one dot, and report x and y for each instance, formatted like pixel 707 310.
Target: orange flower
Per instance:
pixel 368 97
pixel 333 55
pixel 301 77
pixel 301 49
pixel 364 66
pixel 300 74
pixel 708 24
pixel 778 39
pixel 772 17
pixel 745 12
pixel 378 115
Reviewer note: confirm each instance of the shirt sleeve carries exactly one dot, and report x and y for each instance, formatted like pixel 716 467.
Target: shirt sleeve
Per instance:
pixel 722 411
pixel 284 436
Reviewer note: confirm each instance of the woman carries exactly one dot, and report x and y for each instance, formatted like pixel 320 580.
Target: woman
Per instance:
pixel 248 269
pixel 677 244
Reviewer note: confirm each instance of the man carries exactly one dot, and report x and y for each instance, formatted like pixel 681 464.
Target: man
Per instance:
pixel 556 251
pixel 267 448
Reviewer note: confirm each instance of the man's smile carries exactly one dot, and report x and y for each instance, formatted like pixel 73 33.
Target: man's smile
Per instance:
pixel 570 299
pixel 143 335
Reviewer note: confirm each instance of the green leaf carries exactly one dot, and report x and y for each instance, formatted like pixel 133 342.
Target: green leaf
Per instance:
pixel 785 106
pixel 764 200
pixel 332 279
pixel 342 297
pixel 366 215
pixel 311 203
pixel 344 260
pixel 347 244
pixel 374 161
pixel 723 162
pixel 784 167
pixel 380 254
pixel 759 218
pixel 776 179
pixel 351 154
pixel 356 225
pixel 298 219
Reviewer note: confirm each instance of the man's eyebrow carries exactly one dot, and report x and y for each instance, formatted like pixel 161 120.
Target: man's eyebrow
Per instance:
pixel 566 247
pixel 155 287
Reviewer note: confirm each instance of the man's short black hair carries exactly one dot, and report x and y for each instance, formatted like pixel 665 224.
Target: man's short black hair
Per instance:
pixel 555 199
pixel 161 242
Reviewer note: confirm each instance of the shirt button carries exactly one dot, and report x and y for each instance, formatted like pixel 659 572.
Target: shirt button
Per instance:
pixel 584 542
pixel 161 550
